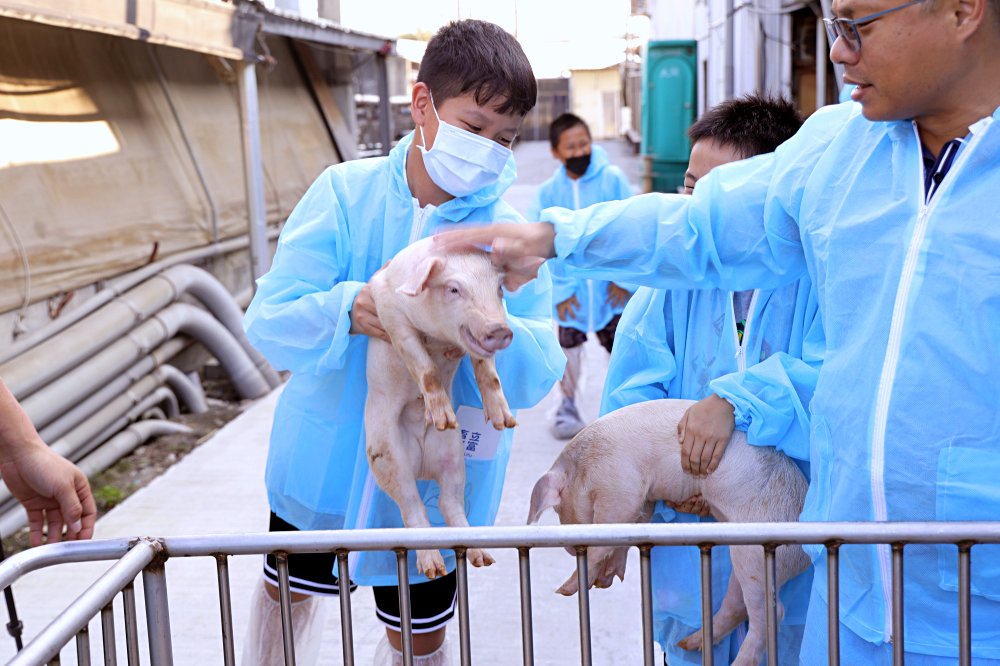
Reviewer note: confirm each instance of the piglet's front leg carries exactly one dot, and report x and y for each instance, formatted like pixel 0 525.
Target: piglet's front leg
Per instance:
pixel 495 407
pixel 424 372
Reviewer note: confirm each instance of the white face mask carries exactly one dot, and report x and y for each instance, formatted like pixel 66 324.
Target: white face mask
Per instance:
pixel 461 162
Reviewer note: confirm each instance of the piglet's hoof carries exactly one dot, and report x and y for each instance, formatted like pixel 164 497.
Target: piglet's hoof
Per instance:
pixel 479 557
pixel 441 414
pixel 431 564
pixel 569 588
pixel 692 642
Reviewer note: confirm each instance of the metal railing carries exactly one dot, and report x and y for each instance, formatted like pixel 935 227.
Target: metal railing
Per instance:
pixel 148 555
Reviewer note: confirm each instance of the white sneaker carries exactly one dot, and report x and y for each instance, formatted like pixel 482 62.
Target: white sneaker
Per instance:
pixel 567 422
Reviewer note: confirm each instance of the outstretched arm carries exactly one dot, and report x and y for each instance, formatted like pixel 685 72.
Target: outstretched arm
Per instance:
pixel 739 230
pixel 52 490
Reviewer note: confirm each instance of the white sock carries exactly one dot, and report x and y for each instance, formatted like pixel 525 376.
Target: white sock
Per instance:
pixel 263 644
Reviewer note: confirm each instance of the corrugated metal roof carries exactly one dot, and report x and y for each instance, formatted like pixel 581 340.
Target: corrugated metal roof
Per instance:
pixel 226 29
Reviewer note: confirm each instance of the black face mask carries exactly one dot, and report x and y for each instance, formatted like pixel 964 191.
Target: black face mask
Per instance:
pixel 578 165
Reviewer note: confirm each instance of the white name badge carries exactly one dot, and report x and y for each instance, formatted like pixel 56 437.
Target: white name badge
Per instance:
pixel 479 438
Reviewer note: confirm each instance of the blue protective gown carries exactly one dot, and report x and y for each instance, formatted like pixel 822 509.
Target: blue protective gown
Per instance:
pixel 684 344
pixel 904 419
pixel 351 221
pixel 601 182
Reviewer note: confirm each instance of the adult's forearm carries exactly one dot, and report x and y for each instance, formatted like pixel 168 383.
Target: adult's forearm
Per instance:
pixel 16 430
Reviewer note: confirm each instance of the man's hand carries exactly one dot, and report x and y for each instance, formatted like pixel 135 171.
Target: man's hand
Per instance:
pixel 518 250
pixel 617 296
pixel 704 433
pixel 695 504
pixel 53 491
pixel 568 308
pixel 364 316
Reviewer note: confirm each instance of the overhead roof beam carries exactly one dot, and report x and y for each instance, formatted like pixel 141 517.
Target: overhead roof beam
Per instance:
pixel 277 22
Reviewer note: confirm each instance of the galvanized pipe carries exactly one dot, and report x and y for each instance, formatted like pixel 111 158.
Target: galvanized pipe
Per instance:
pixel 150 365
pixel 285 600
pixel 646 585
pixel 253 170
pixel 154 589
pixel 131 624
pixel 583 603
pixel 833 597
pixel 57 356
pixel 108 635
pixel 119 285
pixel 405 616
pixel 83 647
pixel 621 534
pixel 898 640
pixel 225 610
pixel 462 576
pixel 44 405
pixel 965 604
pixel 346 621
pixel 126 441
pixel 527 631
pixel 771 604
pixel 707 656
pixel 50 640
pixel 401 540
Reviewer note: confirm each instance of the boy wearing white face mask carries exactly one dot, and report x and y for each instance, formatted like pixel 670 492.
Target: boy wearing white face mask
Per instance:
pixel 312 314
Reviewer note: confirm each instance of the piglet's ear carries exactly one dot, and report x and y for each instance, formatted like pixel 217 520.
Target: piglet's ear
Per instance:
pixel 417 281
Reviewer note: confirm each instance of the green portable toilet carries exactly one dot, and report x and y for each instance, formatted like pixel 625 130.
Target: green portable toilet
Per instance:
pixel 669 104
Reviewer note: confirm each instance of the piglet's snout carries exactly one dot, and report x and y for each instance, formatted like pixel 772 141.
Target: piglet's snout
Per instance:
pixel 496 337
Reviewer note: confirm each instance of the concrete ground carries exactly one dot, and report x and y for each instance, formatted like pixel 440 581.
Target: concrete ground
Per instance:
pixel 218 489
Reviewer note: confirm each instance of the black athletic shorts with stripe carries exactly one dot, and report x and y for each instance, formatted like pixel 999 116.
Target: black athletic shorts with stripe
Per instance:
pixel 432 603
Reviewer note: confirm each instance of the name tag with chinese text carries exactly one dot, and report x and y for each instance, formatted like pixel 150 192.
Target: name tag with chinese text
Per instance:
pixel 479 438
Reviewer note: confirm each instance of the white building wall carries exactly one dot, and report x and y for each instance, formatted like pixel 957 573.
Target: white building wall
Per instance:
pixel 671 19
pixel 762 57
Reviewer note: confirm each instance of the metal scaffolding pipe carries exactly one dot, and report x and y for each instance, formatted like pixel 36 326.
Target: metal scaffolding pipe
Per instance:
pixel 34 369
pixel 253 169
pixel 44 405
pixel 125 442
pixel 112 389
pixel 119 285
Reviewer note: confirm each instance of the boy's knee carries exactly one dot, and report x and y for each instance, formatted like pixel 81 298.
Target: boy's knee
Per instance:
pixel 423 643
pixel 272 591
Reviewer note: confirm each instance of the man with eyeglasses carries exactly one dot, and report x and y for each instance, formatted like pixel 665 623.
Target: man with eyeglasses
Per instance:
pixel 888 205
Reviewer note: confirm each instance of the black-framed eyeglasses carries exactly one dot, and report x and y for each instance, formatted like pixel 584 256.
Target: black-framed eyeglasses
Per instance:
pixel 848 28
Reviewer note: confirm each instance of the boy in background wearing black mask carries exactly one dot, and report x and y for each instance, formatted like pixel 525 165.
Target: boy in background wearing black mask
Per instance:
pixel 586 177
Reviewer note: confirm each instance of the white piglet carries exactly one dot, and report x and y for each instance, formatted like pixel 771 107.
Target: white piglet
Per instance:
pixel 616 469
pixel 436 308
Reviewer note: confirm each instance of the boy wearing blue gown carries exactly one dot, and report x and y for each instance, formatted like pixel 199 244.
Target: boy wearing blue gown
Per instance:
pixel 735 352
pixel 313 314
pixel 584 178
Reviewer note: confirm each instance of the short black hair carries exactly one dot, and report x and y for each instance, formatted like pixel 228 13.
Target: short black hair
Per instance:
pixel 481 57
pixel 563 123
pixel 752 124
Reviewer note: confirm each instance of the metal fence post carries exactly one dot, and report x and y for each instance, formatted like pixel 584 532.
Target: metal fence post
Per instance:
pixel 646 584
pixel 154 587
pixel 225 610
pixel 583 598
pixel 707 657
pixel 833 606
pixel 527 631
